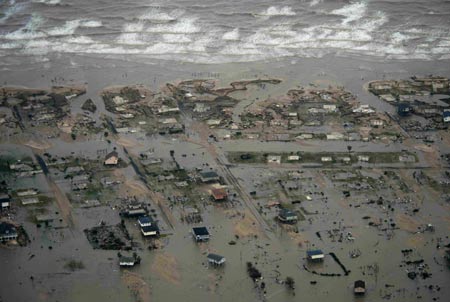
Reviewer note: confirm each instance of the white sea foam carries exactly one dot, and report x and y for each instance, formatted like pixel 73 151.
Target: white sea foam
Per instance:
pixel 156 15
pixel 133 27
pixel 130 39
pixel 68 28
pixel 91 23
pixel 29 31
pixel 231 35
pixel 48 2
pixel 80 40
pixel 176 38
pixel 352 12
pixel 315 2
pixel 12 9
pixel 278 11
pixel 182 26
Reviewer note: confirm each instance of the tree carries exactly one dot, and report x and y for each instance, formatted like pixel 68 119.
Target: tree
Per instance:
pixel 349 148
pixel 290 283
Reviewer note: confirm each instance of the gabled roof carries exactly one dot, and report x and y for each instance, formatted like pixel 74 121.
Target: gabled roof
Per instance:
pixel 314 253
pixel 208 174
pixel 219 193
pixel 360 283
pixel 287 213
pixel 215 257
pixel 7 229
pixel 150 228
pixel 145 219
pixel 111 154
pixel 200 231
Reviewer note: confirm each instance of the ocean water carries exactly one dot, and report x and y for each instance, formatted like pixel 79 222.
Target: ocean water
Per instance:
pixel 216 32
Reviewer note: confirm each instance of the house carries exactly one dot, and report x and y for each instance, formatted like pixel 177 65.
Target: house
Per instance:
pixel 209 176
pixel 293 157
pixel 363 158
pixel 315 255
pixel 388 98
pixel 31 200
pixel 376 123
pixel 219 194
pixel 145 221
pixel 112 158
pixel 134 212
pixel 335 136
pixel 27 192
pixel 446 116
pixel 200 234
pixel 45 219
pixel 360 287
pixel 7 232
pixel 151 230
pixel 330 108
pixel 216 259
pixel 127 261
pixel 326 159
pixel 274 159
pixel 5 202
pixel 404 109
pixel 287 216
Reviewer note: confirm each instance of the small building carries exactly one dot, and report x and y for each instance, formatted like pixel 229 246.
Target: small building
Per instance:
pixel 216 259
pixel 446 116
pixel 315 255
pixel 404 109
pixel 8 232
pixel 145 221
pixel 112 159
pixel 359 288
pixel 45 219
pixel 29 201
pixel 219 194
pixel 5 202
pixel 326 159
pixel 376 123
pixel 209 176
pixel 274 159
pixel 137 212
pixel 293 157
pixel 200 234
pixel 151 230
pixel 287 216
pixel 127 261
pixel 363 158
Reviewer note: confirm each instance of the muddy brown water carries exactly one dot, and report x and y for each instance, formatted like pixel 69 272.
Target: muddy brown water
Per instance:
pixel 101 279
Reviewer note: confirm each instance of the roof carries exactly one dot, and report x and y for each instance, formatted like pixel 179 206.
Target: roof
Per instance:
pixel 209 174
pixel 145 219
pixel 4 197
pixel 7 229
pixel 200 231
pixel 215 257
pixel 287 213
pixel 360 283
pixel 127 259
pixel 446 113
pixel 112 154
pixel 219 193
pixel 314 252
pixel 150 228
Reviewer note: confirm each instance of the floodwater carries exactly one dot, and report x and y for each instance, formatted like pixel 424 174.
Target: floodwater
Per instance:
pixel 406 43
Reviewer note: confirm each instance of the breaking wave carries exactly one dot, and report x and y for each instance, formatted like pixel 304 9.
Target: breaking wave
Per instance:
pixel 178 34
pixel 278 11
pixel 48 2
